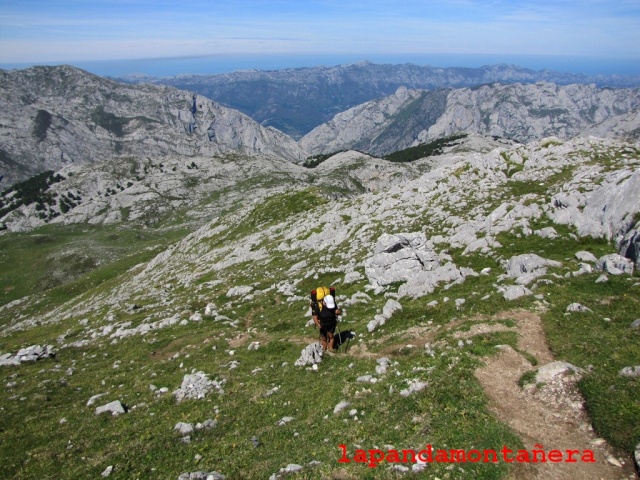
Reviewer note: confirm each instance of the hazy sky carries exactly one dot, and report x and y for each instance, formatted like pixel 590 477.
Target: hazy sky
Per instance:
pixel 43 31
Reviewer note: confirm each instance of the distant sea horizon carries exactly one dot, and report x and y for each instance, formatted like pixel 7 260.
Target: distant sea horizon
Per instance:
pixel 217 64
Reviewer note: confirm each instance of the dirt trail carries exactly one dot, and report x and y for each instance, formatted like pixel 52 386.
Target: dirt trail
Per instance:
pixel 551 417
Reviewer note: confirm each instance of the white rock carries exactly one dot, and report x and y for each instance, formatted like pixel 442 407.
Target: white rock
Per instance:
pixel 341 406
pixel 115 408
pixel 552 370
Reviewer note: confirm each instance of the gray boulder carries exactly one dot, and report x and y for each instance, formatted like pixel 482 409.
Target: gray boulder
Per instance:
pixel 526 268
pixel 352 277
pixel 341 406
pixel 239 291
pixel 630 371
pixel 197 386
pixel 513 292
pixel 548 232
pixel 8 359
pixel 184 428
pixel 425 282
pixel 576 307
pixel 32 353
pixel 206 425
pixel 387 311
pixel 410 258
pixel 553 370
pixel 615 264
pixel 310 355
pixel 584 256
pixel 107 471
pixel 399 257
pixel 115 408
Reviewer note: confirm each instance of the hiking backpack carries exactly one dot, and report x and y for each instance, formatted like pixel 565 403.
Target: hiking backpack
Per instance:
pixel 318 294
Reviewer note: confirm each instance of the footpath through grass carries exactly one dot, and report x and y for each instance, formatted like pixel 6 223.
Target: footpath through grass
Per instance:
pixel 603 342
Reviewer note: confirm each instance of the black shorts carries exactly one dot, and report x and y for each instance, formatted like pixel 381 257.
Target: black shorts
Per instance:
pixel 326 328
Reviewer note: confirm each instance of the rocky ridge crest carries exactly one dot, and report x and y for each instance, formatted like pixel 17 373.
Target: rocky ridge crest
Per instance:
pixel 518 112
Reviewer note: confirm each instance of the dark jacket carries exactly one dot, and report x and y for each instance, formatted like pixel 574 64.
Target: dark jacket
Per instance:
pixel 327 316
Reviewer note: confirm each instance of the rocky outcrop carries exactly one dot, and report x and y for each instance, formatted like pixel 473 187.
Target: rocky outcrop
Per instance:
pixel 51 117
pixel 310 355
pixel 411 259
pixel 605 210
pixel 197 386
pixel 531 112
pixel 33 353
pixel 615 264
pixel 527 268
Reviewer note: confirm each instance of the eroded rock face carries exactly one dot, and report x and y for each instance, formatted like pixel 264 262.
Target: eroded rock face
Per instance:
pixel 488 110
pixel 398 257
pixel 606 211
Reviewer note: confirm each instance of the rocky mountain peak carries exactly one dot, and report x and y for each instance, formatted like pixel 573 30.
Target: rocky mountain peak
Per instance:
pixel 55 116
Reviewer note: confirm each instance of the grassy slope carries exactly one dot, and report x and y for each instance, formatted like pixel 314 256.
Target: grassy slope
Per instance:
pixel 450 413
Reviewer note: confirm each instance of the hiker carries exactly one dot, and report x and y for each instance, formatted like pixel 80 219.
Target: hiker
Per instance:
pixel 327 319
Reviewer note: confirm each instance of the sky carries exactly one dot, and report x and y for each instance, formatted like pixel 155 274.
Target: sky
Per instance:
pixel 130 31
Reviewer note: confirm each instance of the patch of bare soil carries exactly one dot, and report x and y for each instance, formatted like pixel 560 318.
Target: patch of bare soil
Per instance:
pixel 547 417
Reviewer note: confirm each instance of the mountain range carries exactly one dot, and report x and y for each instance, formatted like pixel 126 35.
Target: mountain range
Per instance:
pixel 297 100
pixel 56 116
pixel 156 272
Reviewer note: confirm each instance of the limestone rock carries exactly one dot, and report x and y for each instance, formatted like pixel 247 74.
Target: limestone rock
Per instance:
pixel 615 264
pixel 115 408
pixel 310 355
pixel 341 406
pixel 184 428
pixel 550 371
pixel 630 371
pixel 526 268
pixel 576 307
pixel 197 386
pixel 33 353
pixel 513 292
pixel 586 257
pixel 397 257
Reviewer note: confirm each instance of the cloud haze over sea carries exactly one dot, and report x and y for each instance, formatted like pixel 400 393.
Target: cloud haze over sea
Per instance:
pixel 215 64
pixel 201 36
